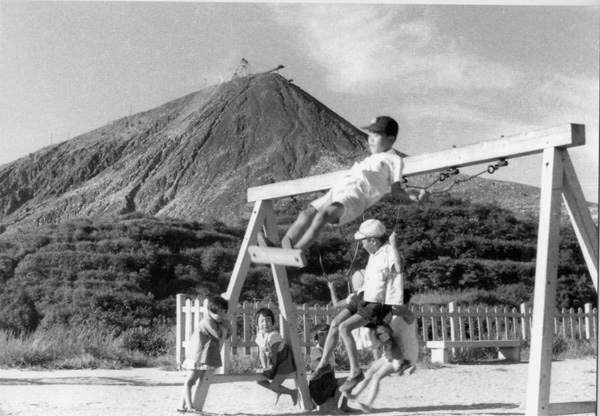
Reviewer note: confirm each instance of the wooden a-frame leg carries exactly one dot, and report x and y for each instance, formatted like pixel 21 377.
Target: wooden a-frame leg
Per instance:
pixel 201 391
pixel 242 264
pixel 542 331
pixel 288 313
pixel 581 218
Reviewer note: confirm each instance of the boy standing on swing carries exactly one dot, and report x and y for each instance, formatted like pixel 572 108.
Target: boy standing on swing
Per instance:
pixel 364 185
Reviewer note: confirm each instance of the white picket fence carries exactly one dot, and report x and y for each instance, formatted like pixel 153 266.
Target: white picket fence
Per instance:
pixel 434 323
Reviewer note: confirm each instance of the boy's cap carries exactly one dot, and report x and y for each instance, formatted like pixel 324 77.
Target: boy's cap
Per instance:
pixel 370 228
pixel 383 124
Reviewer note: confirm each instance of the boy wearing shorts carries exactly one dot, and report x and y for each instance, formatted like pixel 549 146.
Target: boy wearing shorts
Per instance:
pixel 370 307
pixel 364 185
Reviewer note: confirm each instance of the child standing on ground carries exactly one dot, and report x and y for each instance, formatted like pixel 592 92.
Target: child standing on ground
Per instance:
pixel 364 185
pixel 203 354
pixel 275 355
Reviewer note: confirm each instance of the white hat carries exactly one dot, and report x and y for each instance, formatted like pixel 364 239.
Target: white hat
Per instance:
pixel 370 228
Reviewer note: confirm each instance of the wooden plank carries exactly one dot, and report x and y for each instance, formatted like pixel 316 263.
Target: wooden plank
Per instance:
pixel 581 218
pixel 241 377
pixel 567 135
pixel 572 408
pixel 475 344
pixel 288 313
pixel 540 363
pixel 276 255
pixel 201 392
pixel 242 264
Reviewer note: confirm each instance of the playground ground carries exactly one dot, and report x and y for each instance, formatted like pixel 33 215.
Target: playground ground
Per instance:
pixel 485 388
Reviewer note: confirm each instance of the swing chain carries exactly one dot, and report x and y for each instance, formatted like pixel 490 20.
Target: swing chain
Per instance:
pixel 441 178
pixel 454 171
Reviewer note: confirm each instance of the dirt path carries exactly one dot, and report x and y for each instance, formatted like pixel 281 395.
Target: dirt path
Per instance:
pixel 476 389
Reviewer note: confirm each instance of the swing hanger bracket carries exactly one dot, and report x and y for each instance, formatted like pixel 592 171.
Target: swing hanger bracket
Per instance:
pixel 446 174
pixel 493 168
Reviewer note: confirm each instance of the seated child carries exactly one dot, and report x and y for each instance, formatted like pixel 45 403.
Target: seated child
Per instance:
pixel 275 355
pixel 203 354
pixel 383 285
pixel 363 336
pixel 364 185
pixel 325 391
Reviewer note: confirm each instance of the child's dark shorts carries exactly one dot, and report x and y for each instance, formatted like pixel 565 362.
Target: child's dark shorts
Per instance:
pixel 372 312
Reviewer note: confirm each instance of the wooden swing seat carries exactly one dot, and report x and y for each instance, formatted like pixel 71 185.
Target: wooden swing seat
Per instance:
pixel 275 255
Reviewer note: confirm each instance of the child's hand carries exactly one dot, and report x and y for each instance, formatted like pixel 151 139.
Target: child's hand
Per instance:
pixel 392 239
pixel 424 195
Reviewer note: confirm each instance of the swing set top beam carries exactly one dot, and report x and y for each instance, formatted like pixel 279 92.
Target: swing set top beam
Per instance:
pixel 524 144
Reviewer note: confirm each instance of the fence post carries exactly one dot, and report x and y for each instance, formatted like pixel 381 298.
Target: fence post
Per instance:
pixel 588 325
pixel 453 324
pixel 180 332
pixel 525 321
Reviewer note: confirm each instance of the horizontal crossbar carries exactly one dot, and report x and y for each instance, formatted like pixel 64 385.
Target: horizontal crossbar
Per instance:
pixel 475 344
pixel 234 378
pixel 564 136
pixel 572 408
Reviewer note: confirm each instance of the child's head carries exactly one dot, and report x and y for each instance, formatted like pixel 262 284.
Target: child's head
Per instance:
pixel 265 319
pixel 321 332
pixel 382 134
pixel 217 306
pixel 372 235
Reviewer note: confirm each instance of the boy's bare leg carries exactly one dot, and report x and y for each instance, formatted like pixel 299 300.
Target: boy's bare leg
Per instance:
pixel 330 215
pixel 385 370
pixel 186 398
pixel 276 386
pixel 352 323
pixel 363 384
pixel 299 227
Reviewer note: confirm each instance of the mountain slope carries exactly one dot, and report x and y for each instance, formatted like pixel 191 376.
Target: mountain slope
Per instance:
pixel 191 158
pixel 195 157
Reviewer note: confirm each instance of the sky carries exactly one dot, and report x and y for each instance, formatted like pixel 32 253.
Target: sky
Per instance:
pixel 452 75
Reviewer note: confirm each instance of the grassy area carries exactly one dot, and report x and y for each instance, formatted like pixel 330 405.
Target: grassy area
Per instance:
pixel 89 348
pixel 80 348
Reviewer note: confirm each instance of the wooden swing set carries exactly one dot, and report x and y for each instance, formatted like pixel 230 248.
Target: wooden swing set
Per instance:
pixel 559 181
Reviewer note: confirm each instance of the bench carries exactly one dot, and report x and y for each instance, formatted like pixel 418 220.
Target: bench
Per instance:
pixel 509 349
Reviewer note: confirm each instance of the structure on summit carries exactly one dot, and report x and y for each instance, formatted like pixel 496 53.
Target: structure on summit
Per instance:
pixel 244 69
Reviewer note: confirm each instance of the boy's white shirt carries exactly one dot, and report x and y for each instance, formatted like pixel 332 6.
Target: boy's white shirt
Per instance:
pixel 382 283
pixel 379 171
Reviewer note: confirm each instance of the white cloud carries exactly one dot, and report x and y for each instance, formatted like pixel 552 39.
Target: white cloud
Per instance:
pixel 366 46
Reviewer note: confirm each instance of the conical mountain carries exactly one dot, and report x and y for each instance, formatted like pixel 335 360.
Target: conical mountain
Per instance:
pixel 192 158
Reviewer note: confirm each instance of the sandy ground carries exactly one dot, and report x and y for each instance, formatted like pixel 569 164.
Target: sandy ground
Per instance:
pixel 497 388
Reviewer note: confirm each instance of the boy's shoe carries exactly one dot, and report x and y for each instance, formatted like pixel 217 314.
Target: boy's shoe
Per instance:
pixel 295 397
pixel 319 372
pixel 264 241
pixel 406 368
pixel 365 408
pixel 351 382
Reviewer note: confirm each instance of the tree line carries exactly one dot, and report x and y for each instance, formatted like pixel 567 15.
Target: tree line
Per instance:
pixel 119 272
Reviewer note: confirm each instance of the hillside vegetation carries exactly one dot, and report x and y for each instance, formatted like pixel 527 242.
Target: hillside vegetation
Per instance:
pixel 120 272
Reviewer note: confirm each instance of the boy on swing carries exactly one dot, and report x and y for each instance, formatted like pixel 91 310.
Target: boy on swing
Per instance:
pixel 364 185
pixel 383 287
